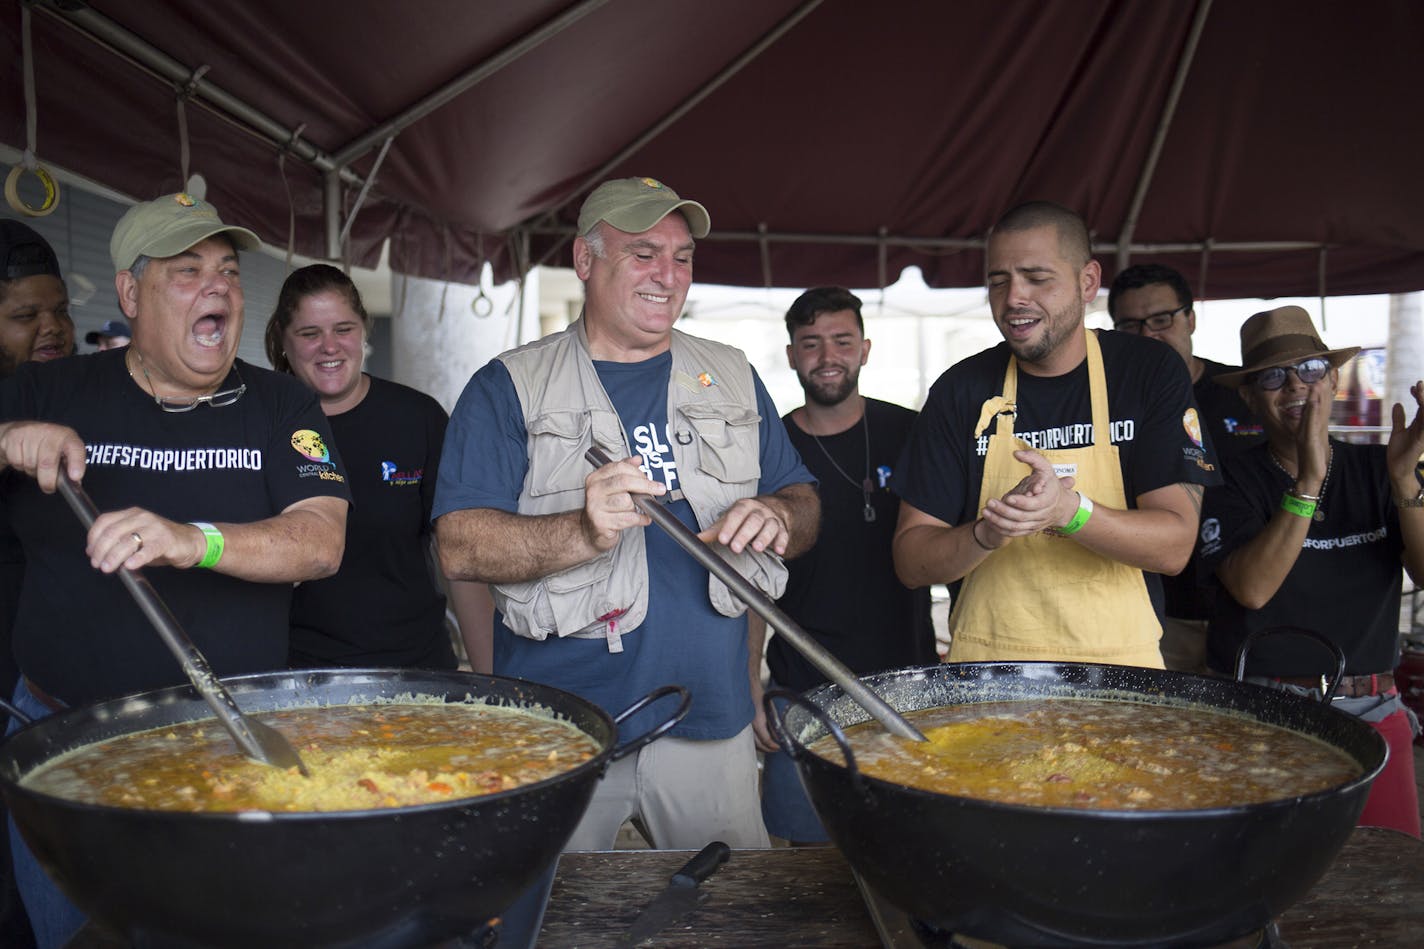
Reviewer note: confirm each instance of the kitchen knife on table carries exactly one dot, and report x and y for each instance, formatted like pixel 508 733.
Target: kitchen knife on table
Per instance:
pixel 680 897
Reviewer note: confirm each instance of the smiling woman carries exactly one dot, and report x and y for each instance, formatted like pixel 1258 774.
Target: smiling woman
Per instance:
pixel 385 606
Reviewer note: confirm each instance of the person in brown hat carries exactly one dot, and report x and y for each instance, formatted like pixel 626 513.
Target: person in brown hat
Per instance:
pixel 219 476
pixel 588 600
pixel 1309 533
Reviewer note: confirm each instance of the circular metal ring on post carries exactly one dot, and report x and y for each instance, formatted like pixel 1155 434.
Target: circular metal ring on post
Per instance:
pixel 51 190
pixel 482 306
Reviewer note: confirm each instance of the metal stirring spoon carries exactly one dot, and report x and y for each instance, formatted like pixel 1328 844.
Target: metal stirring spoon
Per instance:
pixel 828 665
pixel 258 741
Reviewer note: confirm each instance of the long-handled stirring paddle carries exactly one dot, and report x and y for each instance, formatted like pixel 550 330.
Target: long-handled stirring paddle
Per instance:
pixel 258 741
pixel 829 666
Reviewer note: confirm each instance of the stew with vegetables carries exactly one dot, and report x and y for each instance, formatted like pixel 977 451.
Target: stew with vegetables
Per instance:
pixel 1097 754
pixel 359 757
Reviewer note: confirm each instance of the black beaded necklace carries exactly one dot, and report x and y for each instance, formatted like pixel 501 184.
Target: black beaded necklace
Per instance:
pixel 866 487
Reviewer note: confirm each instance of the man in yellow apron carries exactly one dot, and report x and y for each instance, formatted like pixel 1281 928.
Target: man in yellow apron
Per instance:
pixel 1055 473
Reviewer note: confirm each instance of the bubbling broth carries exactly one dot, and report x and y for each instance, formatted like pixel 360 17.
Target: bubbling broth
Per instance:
pixel 1097 755
pixel 359 756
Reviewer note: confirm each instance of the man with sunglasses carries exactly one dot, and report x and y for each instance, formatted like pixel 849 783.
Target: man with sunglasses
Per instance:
pixel 1309 533
pixel 1155 301
pixel 218 478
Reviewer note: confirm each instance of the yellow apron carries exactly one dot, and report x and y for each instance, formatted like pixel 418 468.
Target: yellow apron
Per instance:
pixel 1047 597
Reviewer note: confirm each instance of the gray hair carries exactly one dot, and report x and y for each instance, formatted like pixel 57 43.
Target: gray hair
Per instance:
pixel 140 263
pixel 594 239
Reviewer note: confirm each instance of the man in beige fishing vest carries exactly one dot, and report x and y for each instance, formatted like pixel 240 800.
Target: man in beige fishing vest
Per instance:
pixel 1056 473
pixel 590 598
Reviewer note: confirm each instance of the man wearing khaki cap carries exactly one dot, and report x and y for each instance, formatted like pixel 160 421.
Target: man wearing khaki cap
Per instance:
pixel 588 600
pixel 216 476
pixel 1308 533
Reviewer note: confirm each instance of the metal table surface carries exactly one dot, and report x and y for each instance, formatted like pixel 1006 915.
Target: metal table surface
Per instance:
pixel 1373 895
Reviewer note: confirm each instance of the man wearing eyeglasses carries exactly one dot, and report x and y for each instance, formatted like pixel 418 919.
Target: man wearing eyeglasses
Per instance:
pixel 1155 301
pixel 218 478
pixel 1056 473
pixel 1309 533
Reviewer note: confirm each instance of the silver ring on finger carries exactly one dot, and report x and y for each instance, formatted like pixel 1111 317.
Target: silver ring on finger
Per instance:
pixel 137 540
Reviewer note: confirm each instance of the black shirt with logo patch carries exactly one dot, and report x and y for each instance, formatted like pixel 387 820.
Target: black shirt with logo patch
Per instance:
pixel 843 590
pixel 383 607
pixel 78 633
pixel 1346 582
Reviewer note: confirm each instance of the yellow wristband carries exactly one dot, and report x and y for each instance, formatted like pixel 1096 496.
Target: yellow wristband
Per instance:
pixel 214 538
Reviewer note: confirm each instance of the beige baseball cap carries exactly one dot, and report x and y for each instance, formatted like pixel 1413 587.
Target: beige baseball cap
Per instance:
pixel 633 205
pixel 170 225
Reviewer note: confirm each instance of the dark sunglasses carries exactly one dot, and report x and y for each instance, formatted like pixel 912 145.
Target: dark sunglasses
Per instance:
pixel 1157 321
pixel 1309 371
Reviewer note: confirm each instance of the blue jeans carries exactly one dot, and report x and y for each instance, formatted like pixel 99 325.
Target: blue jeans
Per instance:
pixel 785 808
pixel 54 919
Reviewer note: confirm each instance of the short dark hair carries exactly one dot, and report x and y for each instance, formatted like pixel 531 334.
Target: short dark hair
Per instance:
pixel 300 284
pixel 1145 275
pixel 1073 237
pixel 818 300
pixel 24 253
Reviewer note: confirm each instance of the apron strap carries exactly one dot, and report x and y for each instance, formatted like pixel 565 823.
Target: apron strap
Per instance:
pixel 997 406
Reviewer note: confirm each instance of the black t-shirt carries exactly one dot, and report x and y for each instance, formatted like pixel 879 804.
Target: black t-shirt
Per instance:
pixel 78 633
pixel 1225 417
pixel 844 591
pixel 1151 414
pixel 1232 429
pixel 383 607
pixel 1345 584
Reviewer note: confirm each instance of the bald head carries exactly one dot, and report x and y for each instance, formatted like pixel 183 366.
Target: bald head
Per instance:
pixel 1073 239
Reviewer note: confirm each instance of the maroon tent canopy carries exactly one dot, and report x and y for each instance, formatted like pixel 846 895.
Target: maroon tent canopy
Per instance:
pixel 1264 148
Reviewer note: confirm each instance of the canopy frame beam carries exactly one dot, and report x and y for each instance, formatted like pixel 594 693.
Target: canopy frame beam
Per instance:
pixel 540 223
pixel 1159 138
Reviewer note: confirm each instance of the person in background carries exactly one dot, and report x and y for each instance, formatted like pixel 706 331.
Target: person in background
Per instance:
pixel 1308 532
pixel 1057 472
pixel 1155 301
pixel 384 607
pixel 114 334
pixel 34 327
pixel 589 601
pixel 843 591
pixel 215 476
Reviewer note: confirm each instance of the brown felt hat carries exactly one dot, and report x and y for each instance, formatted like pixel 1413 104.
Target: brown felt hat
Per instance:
pixel 1284 336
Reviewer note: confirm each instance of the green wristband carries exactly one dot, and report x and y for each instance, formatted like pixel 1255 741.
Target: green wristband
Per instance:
pixel 1085 511
pixel 214 538
pixel 1294 505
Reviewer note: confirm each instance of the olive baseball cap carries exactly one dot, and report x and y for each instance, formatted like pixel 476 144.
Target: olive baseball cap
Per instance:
pixel 634 205
pixel 170 225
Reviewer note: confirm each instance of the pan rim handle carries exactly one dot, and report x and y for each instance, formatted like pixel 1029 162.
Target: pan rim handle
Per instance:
pixel 793 746
pixel 657 731
pixel 1327 690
